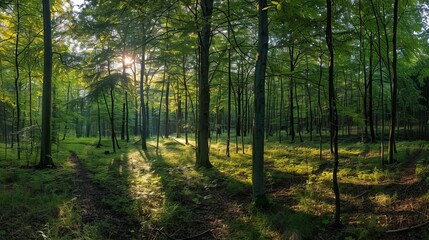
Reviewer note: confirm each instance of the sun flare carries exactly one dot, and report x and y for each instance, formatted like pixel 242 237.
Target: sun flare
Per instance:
pixel 128 60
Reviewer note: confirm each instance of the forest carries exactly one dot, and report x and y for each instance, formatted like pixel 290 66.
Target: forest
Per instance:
pixel 214 119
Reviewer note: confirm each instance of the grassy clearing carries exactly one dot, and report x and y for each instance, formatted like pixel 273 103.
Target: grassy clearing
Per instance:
pixel 168 198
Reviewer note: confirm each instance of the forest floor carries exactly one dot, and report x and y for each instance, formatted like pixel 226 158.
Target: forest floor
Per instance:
pixel 131 194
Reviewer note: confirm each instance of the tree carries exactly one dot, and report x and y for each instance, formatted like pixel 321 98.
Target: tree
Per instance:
pixel 204 91
pixel 258 182
pixel 333 115
pixel 394 104
pixel 45 150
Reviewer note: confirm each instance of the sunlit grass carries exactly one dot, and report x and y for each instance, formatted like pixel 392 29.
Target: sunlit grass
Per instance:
pixel 384 199
pixel 162 190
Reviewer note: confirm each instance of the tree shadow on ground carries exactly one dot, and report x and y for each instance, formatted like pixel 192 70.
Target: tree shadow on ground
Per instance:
pixel 103 197
pixel 211 204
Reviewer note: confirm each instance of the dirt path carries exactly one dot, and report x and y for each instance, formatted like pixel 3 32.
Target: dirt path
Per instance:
pixel 93 209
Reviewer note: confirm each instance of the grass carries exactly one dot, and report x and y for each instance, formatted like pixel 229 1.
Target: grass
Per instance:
pixel 168 197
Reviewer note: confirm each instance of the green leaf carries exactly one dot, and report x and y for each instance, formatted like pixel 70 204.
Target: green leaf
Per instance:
pixel 266 8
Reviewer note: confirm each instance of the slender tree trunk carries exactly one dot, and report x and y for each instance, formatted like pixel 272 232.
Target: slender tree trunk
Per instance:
pixel 281 109
pixel 179 108
pixel 393 117
pixel 186 115
pixel 99 123
pixel 381 82
pixel 228 138
pixel 159 115
pixel 258 182
pixel 167 109
pixel 127 132
pixel 123 120
pixel 298 113
pixel 319 101
pixel 67 110
pixel 204 91
pixel 17 84
pixel 45 149
pixel 4 118
pixel 136 103
pixel 143 126
pixel 30 90
pixel 333 112
pixel 186 109
pixel 112 118
pixel 370 99
pixel 267 109
pixel 291 85
pixel 310 129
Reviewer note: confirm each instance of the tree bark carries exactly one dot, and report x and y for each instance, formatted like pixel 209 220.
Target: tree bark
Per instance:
pixel 143 125
pixel 45 149
pixel 17 84
pixel 167 109
pixel 393 117
pixel 333 112
pixel 202 159
pixel 370 98
pixel 258 182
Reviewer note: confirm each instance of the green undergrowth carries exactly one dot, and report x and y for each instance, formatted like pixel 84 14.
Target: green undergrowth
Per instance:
pixel 31 201
pixel 164 196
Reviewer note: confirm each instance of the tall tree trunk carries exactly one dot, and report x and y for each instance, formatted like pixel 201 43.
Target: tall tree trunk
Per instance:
pixel 17 84
pixel 179 109
pixel 186 109
pixel 67 110
pixel 127 132
pixel 381 81
pixel 159 113
pixel 30 90
pixel 333 112
pixel 98 123
pixel 393 117
pixel 143 126
pixel 123 120
pixel 136 103
pixel 4 118
pixel 291 85
pixel 228 128
pixel 45 149
pixel 281 109
pixel 258 182
pixel 186 116
pixel 298 113
pixel 319 101
pixel 204 93
pixel 167 109
pixel 268 108
pixel 112 118
pixel 362 60
pixel 370 98
pixel 307 86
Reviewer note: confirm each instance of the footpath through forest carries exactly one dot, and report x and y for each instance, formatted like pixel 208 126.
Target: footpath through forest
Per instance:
pixel 405 216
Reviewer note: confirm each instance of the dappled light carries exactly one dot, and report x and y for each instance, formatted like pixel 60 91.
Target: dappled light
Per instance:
pixel 204 119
